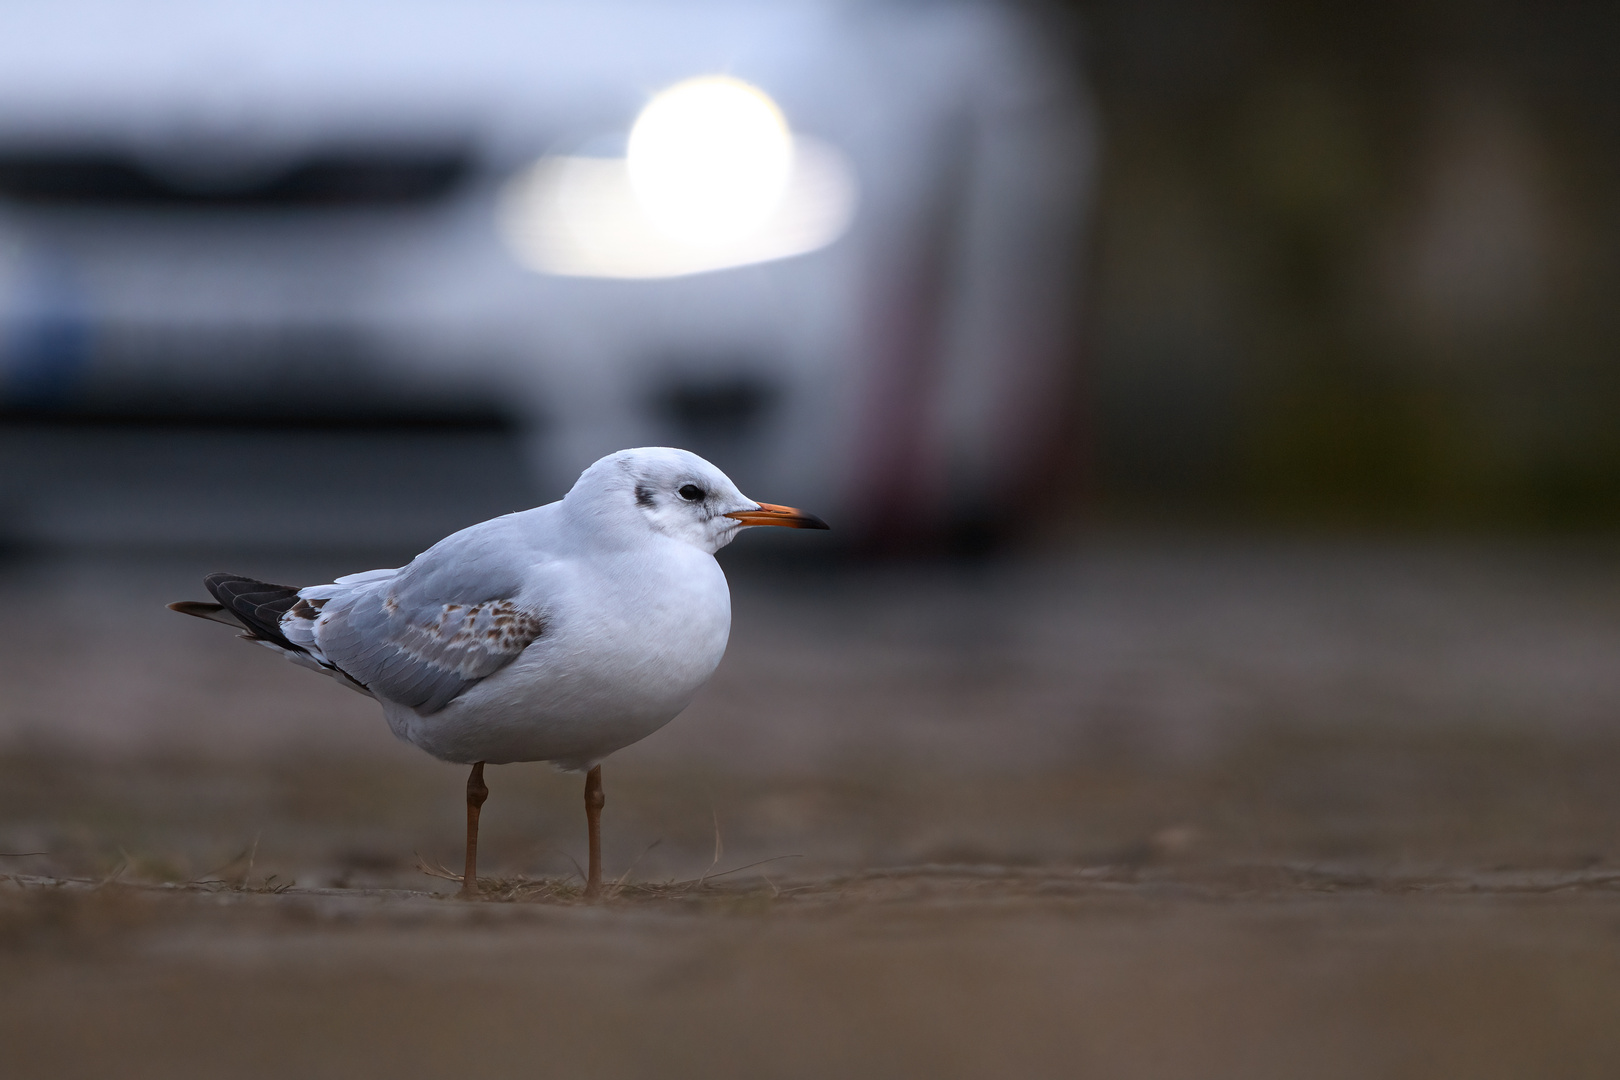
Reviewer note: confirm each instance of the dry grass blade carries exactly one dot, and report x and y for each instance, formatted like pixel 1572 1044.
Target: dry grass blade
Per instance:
pixel 211 877
pixel 438 870
pixel 531 890
pixel 117 870
pixel 618 886
pixel 719 847
pixel 270 885
pixel 253 853
pixel 578 869
pixel 707 877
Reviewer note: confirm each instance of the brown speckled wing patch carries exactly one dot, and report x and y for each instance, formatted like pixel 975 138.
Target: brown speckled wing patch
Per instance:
pixel 471 635
pixel 425 661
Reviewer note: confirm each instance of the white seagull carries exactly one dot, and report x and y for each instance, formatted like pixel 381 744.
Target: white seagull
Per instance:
pixel 557 634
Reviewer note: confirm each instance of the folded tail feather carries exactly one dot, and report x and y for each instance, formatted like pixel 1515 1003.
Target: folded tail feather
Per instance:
pixel 257 605
pixel 211 612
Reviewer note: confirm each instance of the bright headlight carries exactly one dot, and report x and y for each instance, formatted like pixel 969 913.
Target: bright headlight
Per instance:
pixel 709 159
pixel 712 178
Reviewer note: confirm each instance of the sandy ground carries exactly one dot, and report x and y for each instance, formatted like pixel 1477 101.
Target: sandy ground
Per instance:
pixel 1142 809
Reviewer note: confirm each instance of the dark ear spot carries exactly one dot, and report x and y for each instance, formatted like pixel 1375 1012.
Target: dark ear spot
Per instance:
pixel 644 495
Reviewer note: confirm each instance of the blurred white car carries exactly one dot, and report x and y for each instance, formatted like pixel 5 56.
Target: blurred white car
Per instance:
pixel 830 245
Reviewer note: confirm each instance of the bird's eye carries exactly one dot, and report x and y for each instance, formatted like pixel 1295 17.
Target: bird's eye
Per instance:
pixel 691 492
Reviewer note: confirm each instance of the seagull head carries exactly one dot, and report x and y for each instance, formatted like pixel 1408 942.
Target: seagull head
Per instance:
pixel 677 494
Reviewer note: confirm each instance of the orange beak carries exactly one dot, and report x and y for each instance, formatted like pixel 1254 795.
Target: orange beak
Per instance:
pixel 786 516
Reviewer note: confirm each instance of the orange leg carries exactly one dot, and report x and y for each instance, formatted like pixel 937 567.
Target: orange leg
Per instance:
pixel 594 801
pixel 476 794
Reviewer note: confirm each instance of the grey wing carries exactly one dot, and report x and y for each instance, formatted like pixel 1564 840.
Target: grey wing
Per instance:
pixel 423 653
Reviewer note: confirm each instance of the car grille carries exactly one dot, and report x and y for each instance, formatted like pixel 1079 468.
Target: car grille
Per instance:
pixel 93 178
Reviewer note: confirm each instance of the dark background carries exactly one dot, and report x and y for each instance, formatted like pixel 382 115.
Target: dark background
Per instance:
pixel 1355 263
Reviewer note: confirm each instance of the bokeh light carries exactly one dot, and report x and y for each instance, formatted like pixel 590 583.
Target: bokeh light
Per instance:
pixel 712 178
pixel 709 159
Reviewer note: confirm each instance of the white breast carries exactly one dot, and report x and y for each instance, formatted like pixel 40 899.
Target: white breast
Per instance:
pixel 630 638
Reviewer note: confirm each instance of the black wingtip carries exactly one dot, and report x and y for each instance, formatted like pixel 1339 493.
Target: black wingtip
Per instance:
pixel 258 604
pixel 198 608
